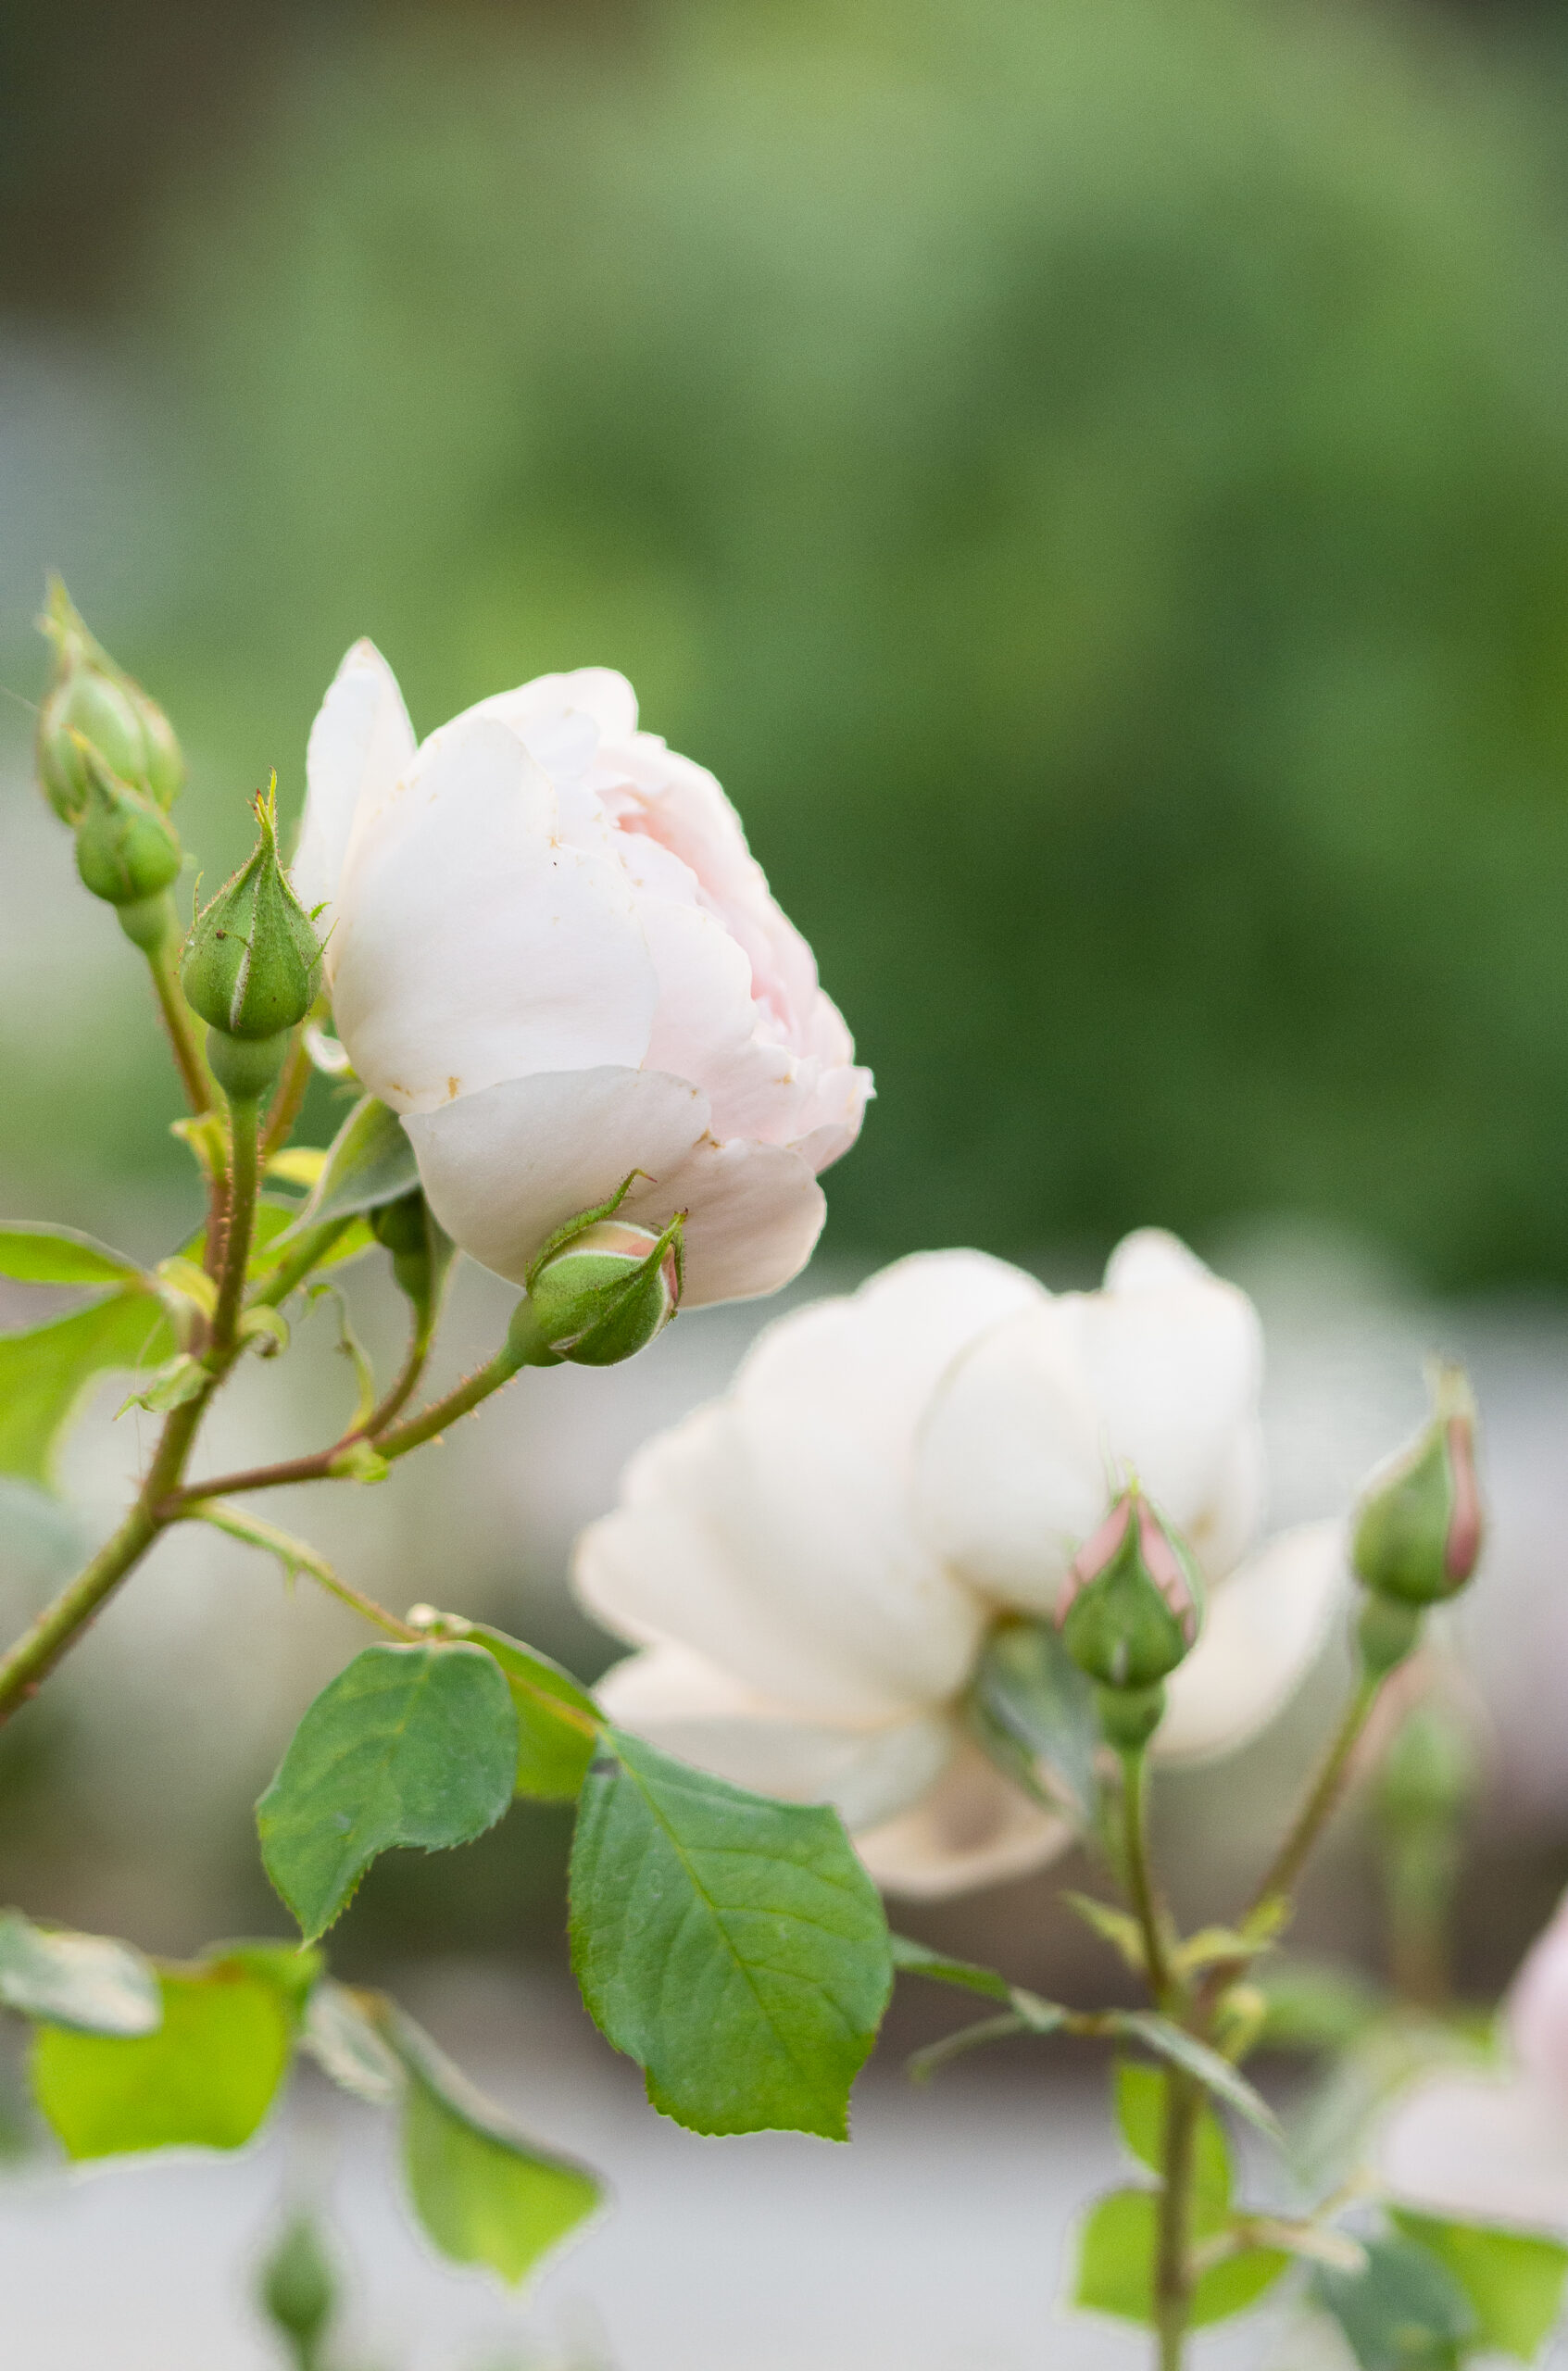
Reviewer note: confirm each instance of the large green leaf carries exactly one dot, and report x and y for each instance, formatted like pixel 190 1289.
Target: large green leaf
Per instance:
pixel 88 1982
pixel 485 2193
pixel 733 1945
pixel 1404 2312
pixel 45 1372
pixel 57 1255
pixel 1116 2252
pixel 1513 2280
pixel 205 2079
pixel 1033 1701
pixel 410 1745
pixel 558 1721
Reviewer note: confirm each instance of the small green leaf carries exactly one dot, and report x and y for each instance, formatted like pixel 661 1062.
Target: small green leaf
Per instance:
pixel 1113 1926
pixel 483 2192
pixel 346 2044
pixel 1141 2096
pixel 734 1946
pixel 369 1161
pixel 88 1982
pixel 1116 2252
pixel 555 1746
pixel 1404 2313
pixel 45 1372
pixel 57 1255
pixel 1513 2280
pixel 179 1280
pixel 411 1746
pixel 1216 2074
pixel 205 2079
pixel 1030 1689
pixel 914 1959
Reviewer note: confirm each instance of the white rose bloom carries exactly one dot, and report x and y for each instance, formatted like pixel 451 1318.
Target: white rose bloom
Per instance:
pixel 810 1564
pixel 550 950
pixel 1494 2148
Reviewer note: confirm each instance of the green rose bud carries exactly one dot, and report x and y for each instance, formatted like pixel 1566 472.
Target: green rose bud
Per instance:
pixel 298 2292
pixel 252 963
pixel 91 701
pixel 1134 1600
pixel 127 851
pixel 603 1294
pixel 1417 1528
pixel 421 1254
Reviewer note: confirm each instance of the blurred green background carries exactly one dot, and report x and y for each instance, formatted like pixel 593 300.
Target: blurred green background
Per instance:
pixel 1091 476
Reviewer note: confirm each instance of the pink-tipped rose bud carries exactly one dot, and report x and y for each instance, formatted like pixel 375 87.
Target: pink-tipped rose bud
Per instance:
pixel 1418 1529
pixel 1133 1599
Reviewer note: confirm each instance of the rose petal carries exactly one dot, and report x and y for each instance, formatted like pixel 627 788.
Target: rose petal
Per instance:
pixel 690 1708
pixel 504 1168
pixel 1261 1633
pixel 972 1829
pixel 361 742
pixel 1477 2148
pixel 753 1216
pixel 473 944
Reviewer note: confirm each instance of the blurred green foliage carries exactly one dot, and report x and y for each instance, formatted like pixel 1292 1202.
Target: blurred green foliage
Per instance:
pixel 1091 478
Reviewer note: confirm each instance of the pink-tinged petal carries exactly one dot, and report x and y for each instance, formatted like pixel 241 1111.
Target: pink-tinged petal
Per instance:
pixel 753 1216
pixel 1262 1630
pixel 504 1168
pixel 972 1829
pixel 1012 1473
pixel 771 1531
pixel 361 743
pixel 690 1708
pixel 473 944
pixel 1478 2147
pixel 1537 2009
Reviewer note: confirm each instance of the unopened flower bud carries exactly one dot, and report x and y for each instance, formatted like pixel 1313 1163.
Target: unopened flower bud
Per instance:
pixel 1418 1529
pixel 92 701
pixel 127 849
pixel 421 1252
pixel 1134 1598
pixel 252 961
pixel 605 1292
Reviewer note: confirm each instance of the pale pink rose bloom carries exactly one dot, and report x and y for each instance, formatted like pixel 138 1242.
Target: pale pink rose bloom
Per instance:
pixel 550 950
pixel 1494 2146
pixel 811 1564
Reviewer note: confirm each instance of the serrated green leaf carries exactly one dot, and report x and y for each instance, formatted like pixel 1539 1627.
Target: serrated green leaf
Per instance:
pixel 484 2192
pixel 1405 2312
pixel 369 1162
pixel 58 1255
pixel 1142 2093
pixel 1216 2074
pixel 555 1746
pixel 1513 2280
pixel 47 1371
pixel 1029 1689
pixel 1116 2253
pixel 731 1945
pixel 409 1746
pixel 915 1958
pixel 205 2079
pixel 348 2045
pixel 88 1982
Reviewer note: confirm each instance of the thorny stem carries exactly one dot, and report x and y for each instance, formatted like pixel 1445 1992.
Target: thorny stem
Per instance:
pixel 1322 1800
pixel 1173 2261
pixel 194 1077
pixel 243 1175
pixel 1140 1874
